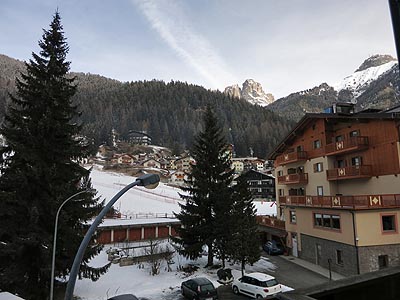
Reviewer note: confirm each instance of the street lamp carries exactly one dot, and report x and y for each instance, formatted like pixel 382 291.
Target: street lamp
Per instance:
pixel 53 260
pixel 149 181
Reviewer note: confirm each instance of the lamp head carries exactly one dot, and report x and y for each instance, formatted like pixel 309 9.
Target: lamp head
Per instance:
pixel 149 181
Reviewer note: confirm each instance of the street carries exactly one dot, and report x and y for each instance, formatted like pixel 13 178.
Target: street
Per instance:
pixel 286 272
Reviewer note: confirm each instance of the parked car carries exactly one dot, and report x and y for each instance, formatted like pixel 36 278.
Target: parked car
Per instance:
pixel 273 248
pixel 124 297
pixel 257 285
pixel 199 288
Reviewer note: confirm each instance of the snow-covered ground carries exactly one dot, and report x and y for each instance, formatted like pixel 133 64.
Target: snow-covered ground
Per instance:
pixel 138 281
pixel 165 286
pixel 139 200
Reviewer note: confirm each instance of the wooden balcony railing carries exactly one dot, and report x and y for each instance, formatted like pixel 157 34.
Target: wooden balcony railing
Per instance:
pixel 352 172
pixel 271 222
pixel 344 202
pixel 297 178
pixel 291 157
pixel 354 143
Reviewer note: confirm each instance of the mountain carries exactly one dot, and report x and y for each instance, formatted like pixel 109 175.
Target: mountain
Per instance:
pixel 251 91
pixel 312 100
pixel 171 113
pixel 375 84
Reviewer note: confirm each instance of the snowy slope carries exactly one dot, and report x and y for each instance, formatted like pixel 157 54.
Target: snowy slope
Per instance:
pixel 359 81
pixel 139 200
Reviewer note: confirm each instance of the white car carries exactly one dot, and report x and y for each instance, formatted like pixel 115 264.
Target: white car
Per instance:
pixel 257 285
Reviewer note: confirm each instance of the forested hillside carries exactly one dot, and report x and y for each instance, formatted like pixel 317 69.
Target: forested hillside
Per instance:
pixel 170 112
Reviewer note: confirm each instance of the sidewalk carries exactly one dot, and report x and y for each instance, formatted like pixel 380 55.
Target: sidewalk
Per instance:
pixel 312 267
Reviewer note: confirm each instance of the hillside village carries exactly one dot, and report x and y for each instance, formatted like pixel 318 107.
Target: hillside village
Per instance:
pixel 136 156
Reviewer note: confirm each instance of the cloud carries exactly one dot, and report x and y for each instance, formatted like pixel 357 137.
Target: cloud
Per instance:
pixel 174 27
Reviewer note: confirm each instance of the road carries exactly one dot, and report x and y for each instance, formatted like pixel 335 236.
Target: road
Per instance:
pixel 286 272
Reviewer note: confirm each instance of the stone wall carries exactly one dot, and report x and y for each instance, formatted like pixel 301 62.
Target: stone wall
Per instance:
pixel 369 257
pixel 329 251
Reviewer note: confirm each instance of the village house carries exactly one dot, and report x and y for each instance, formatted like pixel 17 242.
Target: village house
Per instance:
pixel 337 183
pixel 151 163
pixel 178 177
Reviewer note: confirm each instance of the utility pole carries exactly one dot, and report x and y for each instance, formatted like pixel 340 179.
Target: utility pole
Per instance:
pixel 394 6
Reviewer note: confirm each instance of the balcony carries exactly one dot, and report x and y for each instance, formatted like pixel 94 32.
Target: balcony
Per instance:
pixel 270 222
pixel 291 157
pixel 355 143
pixel 364 171
pixel 297 178
pixel 343 202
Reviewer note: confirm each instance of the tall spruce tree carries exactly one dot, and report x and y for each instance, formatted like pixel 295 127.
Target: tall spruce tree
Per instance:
pixel 207 192
pixel 243 245
pixel 40 169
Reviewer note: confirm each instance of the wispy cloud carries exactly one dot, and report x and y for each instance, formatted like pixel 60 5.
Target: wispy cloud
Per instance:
pixel 174 27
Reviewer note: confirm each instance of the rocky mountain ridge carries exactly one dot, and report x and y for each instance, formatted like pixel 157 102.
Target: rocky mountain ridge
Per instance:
pixel 251 91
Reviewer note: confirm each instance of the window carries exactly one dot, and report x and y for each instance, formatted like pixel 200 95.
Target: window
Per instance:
pixel 341 163
pixel 281 192
pixel 388 223
pixel 383 261
pixel 339 257
pixel 318 219
pixel 327 221
pixel 317 144
pixel 354 133
pixel 318 167
pixel 356 161
pixel 339 138
pixel 292 214
pixel 280 172
pixel 320 190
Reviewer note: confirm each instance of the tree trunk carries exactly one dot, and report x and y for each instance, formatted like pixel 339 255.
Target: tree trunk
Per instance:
pixel 243 266
pixel 210 255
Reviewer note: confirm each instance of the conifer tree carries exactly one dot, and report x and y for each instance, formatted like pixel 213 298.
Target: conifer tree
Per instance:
pixel 243 245
pixel 207 191
pixel 39 170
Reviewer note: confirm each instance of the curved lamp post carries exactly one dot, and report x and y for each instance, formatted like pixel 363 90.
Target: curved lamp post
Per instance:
pixel 149 181
pixel 53 260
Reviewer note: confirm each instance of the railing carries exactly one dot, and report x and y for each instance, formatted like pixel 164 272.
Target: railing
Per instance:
pixel 345 202
pixel 291 157
pixel 270 222
pixel 297 178
pixel 349 172
pixel 352 144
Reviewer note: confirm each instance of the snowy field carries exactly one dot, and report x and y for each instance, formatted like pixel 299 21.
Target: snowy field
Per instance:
pixel 138 281
pixel 139 200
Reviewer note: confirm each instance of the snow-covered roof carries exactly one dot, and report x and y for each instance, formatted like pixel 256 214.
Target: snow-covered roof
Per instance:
pixel 136 221
pixel 9 296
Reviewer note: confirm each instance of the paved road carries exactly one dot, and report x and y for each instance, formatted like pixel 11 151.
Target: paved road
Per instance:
pixel 286 272
pixel 293 275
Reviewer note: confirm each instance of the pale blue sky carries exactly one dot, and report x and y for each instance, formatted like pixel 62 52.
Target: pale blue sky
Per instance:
pixel 287 46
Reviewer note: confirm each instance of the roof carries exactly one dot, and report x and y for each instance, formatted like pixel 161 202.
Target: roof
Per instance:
pixel 9 296
pixel 201 280
pixel 138 222
pixel 124 297
pixel 260 276
pixel 310 117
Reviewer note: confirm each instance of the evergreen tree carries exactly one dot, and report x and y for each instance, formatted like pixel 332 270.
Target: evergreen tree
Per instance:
pixel 40 169
pixel 207 191
pixel 244 242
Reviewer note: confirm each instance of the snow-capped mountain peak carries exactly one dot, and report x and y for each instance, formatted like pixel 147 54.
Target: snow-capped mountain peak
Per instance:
pixel 369 71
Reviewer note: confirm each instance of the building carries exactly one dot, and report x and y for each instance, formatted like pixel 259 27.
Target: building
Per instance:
pixel 237 165
pixel 139 137
pixel 338 189
pixel 137 229
pixel 262 186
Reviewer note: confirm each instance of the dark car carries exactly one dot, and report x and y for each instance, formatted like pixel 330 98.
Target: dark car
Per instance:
pixel 199 289
pixel 273 248
pixel 124 297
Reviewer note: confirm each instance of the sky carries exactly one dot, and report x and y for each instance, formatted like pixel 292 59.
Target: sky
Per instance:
pixel 287 46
